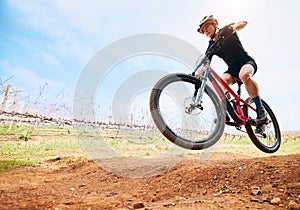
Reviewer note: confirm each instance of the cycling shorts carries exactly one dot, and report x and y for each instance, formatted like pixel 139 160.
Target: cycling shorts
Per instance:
pixel 234 72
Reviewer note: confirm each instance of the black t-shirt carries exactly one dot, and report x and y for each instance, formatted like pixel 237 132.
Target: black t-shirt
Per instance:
pixel 232 50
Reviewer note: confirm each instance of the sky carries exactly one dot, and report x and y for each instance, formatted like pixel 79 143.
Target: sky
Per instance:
pixel 45 45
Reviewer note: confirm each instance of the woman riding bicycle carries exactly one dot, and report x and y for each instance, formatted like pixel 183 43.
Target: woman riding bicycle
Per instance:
pixel 241 67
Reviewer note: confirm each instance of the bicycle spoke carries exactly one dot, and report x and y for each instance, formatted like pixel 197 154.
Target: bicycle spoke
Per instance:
pixel 179 119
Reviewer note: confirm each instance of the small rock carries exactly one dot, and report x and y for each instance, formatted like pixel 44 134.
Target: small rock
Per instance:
pixel 276 201
pixel 259 200
pixel 267 188
pixel 72 188
pixel 169 204
pixel 204 192
pixel 227 190
pixel 111 194
pixel 218 194
pixel 55 159
pixel 294 205
pixel 131 199
pixel 255 191
pixel 138 205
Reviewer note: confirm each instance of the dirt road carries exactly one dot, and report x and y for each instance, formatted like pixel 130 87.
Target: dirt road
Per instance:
pixel 226 181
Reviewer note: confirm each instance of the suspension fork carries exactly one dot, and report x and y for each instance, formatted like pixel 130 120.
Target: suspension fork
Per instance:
pixel 200 92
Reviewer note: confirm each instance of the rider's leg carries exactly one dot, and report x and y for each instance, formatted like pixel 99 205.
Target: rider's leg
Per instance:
pixel 229 80
pixel 252 88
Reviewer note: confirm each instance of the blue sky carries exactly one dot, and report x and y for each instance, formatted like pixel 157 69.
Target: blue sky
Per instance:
pixel 46 44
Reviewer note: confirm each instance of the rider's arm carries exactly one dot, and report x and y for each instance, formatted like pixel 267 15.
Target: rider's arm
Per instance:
pixel 239 25
pixel 232 28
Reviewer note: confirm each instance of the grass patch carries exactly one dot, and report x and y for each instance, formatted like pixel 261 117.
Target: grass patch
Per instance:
pixel 6 165
pixel 46 143
pixel 13 129
pixel 243 145
pixel 31 153
pixel 136 143
pixel 290 147
pixel 148 143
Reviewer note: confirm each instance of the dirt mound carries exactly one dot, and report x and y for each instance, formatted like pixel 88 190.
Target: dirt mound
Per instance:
pixel 225 181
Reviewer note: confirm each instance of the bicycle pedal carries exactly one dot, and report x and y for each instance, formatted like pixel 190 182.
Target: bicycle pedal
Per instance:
pixel 257 123
pixel 231 123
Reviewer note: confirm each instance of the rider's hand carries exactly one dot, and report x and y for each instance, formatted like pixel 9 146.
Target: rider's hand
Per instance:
pixel 197 75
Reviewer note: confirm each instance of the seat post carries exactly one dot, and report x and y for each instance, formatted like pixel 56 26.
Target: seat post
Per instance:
pixel 239 89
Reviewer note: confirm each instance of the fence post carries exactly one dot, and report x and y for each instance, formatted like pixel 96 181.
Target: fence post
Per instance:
pixel 13 107
pixel 25 111
pixel 5 98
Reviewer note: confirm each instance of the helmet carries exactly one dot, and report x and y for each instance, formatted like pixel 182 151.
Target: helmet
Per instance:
pixel 206 19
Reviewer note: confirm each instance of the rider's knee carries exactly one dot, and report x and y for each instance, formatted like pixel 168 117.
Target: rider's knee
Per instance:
pixel 227 78
pixel 246 73
pixel 245 77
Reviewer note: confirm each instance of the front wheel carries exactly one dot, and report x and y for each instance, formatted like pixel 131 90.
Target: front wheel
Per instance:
pixel 268 141
pixel 179 120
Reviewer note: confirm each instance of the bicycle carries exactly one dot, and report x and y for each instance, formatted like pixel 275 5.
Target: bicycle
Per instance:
pixel 190 111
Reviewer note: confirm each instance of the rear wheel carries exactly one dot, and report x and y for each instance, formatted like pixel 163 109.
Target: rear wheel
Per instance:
pixel 179 120
pixel 269 140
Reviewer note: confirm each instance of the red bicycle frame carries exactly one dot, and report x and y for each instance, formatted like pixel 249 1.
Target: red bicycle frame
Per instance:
pixel 216 80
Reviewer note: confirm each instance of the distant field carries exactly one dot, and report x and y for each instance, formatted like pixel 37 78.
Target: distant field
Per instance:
pixel 44 143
